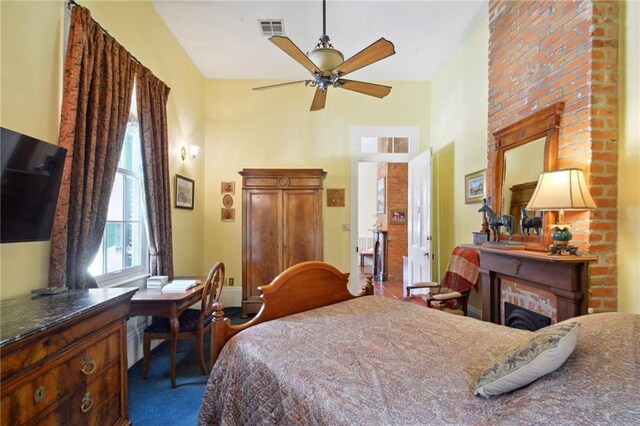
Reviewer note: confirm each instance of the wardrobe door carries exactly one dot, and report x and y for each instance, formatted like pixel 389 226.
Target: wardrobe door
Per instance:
pixel 302 217
pixel 262 243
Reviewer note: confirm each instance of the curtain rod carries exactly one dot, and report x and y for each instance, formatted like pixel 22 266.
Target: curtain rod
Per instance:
pixel 72 3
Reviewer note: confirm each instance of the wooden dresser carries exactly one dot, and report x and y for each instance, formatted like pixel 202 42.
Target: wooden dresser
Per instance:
pixel 63 358
pixel 281 225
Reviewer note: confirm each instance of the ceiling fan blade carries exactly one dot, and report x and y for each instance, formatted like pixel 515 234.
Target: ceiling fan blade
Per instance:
pixel 273 86
pixel 294 51
pixel 377 90
pixel 319 99
pixel 373 53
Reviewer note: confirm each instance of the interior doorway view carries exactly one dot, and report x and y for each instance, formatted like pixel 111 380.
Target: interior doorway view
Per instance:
pixel 380 201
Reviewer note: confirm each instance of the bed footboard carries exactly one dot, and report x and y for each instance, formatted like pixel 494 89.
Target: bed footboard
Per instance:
pixel 302 287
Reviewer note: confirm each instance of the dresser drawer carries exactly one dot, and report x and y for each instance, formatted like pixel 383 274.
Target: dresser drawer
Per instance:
pixel 46 386
pixel 97 403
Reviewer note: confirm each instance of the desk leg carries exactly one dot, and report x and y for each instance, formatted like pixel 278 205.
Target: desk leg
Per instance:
pixel 175 327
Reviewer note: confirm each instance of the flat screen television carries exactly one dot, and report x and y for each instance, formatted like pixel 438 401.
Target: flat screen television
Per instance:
pixel 31 173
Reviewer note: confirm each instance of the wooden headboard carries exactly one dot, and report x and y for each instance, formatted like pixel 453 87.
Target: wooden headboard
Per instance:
pixel 302 287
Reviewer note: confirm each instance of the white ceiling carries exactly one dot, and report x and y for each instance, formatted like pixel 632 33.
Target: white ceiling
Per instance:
pixel 224 41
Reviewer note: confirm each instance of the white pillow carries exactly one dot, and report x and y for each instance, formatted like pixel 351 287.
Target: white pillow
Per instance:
pixel 547 350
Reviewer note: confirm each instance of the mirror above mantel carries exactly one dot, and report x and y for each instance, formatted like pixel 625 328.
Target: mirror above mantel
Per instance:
pixel 523 150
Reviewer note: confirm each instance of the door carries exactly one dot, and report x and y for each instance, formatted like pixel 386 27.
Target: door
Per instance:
pixel 302 228
pixel 419 219
pixel 262 243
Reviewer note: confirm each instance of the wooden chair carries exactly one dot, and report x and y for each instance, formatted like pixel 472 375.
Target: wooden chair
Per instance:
pixel 193 322
pixel 452 294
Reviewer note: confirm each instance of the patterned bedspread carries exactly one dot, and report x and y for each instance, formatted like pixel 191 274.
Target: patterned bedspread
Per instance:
pixel 378 361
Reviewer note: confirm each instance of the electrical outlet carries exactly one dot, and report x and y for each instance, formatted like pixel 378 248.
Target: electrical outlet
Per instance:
pixel 590 310
pixel 230 281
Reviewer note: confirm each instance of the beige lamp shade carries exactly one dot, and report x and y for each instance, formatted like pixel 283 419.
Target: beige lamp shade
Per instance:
pixel 561 190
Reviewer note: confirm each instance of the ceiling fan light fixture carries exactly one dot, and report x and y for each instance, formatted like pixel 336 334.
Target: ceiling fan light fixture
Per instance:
pixel 326 58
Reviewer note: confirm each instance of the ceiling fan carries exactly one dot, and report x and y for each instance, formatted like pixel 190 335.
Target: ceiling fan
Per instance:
pixel 327 66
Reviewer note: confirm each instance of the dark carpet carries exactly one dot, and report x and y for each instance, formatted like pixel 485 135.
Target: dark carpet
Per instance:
pixel 152 401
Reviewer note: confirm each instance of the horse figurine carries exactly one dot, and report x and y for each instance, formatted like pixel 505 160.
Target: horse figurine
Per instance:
pixel 528 222
pixel 495 222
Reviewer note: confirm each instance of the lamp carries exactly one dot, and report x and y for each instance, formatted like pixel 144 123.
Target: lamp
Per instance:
pixel 191 152
pixel 561 190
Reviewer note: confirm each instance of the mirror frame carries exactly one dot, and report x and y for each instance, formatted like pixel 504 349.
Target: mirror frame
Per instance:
pixel 544 123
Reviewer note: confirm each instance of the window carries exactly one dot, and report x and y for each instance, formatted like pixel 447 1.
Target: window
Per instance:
pixel 123 250
pixel 385 145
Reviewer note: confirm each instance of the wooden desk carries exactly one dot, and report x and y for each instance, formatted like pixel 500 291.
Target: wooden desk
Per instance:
pixel 153 302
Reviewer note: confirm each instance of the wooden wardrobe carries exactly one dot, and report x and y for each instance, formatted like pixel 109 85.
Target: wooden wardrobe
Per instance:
pixel 281 225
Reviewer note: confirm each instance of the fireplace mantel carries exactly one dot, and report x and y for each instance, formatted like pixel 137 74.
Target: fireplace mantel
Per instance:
pixel 566 277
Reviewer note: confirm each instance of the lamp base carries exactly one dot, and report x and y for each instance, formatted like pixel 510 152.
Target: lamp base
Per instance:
pixel 558 249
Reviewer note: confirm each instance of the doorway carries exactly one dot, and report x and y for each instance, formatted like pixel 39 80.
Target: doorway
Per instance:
pixel 371 148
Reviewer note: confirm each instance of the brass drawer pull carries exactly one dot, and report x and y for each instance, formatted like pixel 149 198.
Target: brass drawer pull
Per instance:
pixel 87 402
pixel 88 366
pixel 39 394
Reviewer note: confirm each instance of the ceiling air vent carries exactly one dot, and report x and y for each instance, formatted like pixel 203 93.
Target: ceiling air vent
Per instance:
pixel 271 27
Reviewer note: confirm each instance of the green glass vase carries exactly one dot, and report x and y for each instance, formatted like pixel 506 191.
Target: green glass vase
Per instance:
pixel 561 236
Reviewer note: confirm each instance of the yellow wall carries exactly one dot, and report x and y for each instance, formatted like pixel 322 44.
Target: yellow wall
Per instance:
pixel 274 128
pixel 30 97
pixel 31 77
pixel 459 140
pixel 629 163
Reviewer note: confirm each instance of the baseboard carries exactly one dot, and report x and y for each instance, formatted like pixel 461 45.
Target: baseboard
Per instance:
pixel 474 312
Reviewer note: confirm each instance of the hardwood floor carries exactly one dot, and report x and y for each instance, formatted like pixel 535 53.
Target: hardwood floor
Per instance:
pixel 382 288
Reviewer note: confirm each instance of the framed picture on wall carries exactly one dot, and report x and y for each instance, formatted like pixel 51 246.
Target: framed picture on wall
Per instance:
pixel 228 215
pixel 228 188
pixel 184 192
pixel 398 217
pixel 381 196
pixel 474 187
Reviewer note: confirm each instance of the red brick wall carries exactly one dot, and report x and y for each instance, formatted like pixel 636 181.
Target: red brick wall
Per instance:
pixel 536 300
pixel 541 52
pixel 397 175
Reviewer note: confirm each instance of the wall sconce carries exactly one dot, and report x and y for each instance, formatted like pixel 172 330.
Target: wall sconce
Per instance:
pixel 561 190
pixel 190 152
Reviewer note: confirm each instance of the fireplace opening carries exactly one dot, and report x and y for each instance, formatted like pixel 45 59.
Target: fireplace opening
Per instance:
pixel 524 319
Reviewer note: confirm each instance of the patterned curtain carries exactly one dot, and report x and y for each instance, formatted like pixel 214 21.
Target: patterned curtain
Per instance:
pixel 98 82
pixel 152 97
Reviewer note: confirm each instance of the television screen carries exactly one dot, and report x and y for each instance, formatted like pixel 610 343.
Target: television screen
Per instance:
pixel 31 173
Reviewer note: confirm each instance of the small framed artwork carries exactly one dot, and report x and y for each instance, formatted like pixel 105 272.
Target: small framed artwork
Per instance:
pixel 185 190
pixel 228 215
pixel 335 197
pixel 398 217
pixel 381 196
pixel 474 187
pixel 227 201
pixel 228 188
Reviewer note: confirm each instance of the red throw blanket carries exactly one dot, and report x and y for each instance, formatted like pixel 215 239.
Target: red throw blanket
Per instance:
pixel 462 272
pixel 461 276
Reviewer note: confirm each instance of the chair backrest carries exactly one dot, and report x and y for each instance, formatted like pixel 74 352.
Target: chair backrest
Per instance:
pixel 462 272
pixel 212 288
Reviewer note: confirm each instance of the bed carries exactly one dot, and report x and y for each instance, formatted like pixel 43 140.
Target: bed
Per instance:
pixel 316 354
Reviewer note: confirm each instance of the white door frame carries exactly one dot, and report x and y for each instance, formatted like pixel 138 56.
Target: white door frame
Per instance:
pixel 357 156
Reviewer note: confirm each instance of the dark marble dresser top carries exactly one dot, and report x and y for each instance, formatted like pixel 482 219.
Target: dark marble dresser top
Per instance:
pixel 24 316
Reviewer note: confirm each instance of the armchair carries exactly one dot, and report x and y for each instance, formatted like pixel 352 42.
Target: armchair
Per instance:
pixel 452 294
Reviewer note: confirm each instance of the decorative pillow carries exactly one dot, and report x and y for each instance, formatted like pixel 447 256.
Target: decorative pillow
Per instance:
pixel 547 350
